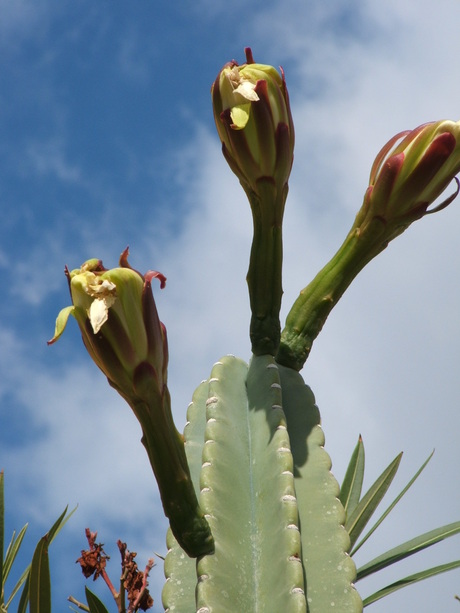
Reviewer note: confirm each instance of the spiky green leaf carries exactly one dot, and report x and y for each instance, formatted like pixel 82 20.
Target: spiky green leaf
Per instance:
pixel 18 586
pixel 420 576
pixel 12 551
pixel 358 520
pixel 408 548
pixel 40 582
pixel 392 505
pixel 24 600
pixel 350 491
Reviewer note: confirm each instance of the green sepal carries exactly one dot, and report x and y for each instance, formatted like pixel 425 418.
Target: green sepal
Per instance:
pixel 61 322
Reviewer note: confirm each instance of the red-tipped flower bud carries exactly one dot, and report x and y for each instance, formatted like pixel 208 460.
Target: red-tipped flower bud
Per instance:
pixel 409 173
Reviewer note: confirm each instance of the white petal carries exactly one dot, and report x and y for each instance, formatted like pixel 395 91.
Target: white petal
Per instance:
pixel 247 90
pixel 101 288
pixel 98 314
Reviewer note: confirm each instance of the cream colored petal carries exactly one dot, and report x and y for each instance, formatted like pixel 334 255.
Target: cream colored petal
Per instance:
pixel 102 288
pixel 247 90
pixel 98 314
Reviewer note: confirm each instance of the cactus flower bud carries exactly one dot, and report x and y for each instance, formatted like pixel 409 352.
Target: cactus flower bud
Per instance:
pixel 119 323
pixel 253 119
pixel 410 172
pixel 121 330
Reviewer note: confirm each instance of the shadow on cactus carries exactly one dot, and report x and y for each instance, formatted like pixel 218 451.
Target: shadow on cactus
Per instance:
pixel 258 522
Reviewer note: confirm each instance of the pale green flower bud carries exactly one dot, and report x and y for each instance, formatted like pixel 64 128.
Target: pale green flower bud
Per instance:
pixel 119 322
pixel 254 123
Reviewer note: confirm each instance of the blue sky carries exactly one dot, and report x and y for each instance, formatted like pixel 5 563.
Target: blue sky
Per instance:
pixel 107 140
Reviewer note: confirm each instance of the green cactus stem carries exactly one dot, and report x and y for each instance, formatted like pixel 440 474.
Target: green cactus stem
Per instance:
pixel 311 309
pixel 265 266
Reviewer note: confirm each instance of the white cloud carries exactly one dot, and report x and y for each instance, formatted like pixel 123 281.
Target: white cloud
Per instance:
pixel 386 363
pixel 49 157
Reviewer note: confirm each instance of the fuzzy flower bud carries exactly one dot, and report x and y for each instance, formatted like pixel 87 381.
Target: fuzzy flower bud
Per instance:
pixel 408 174
pixel 119 323
pixel 253 119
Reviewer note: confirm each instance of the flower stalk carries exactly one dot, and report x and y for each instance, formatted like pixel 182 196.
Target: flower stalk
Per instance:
pixel 410 172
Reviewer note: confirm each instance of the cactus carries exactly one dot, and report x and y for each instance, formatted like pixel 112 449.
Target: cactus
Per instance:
pixel 253 436
pixel 258 523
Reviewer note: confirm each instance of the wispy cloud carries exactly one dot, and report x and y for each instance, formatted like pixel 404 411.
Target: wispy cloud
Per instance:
pixel 386 363
pixel 50 158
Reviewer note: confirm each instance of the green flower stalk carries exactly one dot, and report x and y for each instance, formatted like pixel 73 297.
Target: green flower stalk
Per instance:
pixel 407 176
pixel 254 123
pixel 121 330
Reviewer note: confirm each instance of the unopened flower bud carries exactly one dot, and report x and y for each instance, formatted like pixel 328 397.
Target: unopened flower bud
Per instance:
pixel 119 323
pixel 409 174
pixel 253 119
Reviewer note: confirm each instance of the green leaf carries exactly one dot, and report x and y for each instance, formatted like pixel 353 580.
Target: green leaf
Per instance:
pixel 408 548
pixel 420 576
pixel 24 600
pixel 330 572
pixel 7 559
pixel 350 492
pixel 18 585
pixel 40 583
pixel 248 495
pixel 95 605
pixel 392 505
pixel 12 551
pixel 180 571
pixel 358 520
